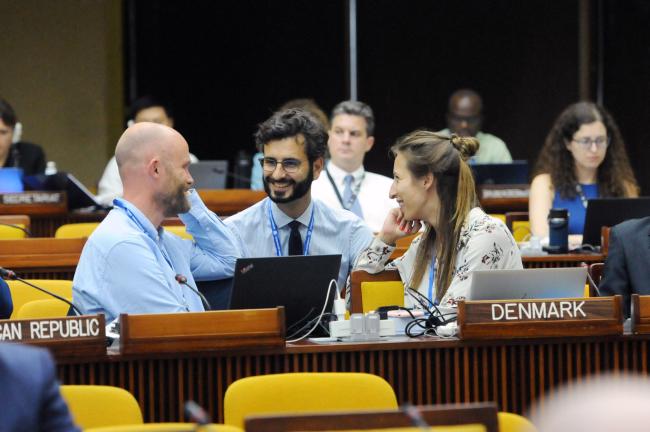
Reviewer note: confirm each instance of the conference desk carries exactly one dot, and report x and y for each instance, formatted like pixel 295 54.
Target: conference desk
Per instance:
pixel 513 373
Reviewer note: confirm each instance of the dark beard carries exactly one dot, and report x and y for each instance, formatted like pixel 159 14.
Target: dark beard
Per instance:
pixel 174 203
pixel 300 189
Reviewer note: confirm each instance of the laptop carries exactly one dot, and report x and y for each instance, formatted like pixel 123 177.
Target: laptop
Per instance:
pixel 209 174
pixel 609 212
pixel 299 283
pixel 11 180
pixel 79 197
pixel 542 283
pixel 501 173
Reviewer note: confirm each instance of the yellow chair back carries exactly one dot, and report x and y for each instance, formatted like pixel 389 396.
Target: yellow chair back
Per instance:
pixel 171 427
pixel 305 392
pixel 50 308
pixel 12 233
pixel 97 406
pixel 76 230
pixel 22 294
pixel 510 422
pixel 520 230
pixel 179 230
pixel 376 294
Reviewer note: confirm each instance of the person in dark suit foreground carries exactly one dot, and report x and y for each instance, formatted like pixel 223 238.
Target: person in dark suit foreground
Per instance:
pixel 626 267
pixel 31 400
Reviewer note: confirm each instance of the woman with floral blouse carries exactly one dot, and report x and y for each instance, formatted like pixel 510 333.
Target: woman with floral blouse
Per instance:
pixel 434 187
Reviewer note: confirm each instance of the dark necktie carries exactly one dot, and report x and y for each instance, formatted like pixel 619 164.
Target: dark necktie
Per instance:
pixel 295 241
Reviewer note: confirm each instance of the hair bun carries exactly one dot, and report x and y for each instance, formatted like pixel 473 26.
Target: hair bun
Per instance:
pixel 467 146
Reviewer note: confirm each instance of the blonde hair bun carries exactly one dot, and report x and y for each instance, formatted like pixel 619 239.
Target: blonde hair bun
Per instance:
pixel 467 146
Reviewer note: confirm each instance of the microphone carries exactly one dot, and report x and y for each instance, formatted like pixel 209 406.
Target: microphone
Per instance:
pixel 183 280
pixel 11 275
pixel 196 413
pixel 18 227
pixel 416 417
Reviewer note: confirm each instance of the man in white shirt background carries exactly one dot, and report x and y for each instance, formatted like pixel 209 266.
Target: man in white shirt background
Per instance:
pixel 144 109
pixel 345 183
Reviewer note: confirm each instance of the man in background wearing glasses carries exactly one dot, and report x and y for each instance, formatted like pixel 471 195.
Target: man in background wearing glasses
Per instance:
pixel 464 118
pixel 289 222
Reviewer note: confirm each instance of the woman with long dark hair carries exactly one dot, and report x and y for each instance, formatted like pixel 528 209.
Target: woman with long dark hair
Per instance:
pixel 583 157
pixel 434 187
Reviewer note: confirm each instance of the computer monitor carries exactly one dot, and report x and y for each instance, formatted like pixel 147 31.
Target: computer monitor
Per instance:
pixel 501 173
pixel 609 212
pixel 299 283
pixel 209 174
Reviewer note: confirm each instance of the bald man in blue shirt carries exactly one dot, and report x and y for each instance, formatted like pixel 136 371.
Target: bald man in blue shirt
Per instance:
pixel 130 264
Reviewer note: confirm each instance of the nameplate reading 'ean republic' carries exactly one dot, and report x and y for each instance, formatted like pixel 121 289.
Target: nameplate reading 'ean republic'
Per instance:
pixel 62 335
pixel 500 319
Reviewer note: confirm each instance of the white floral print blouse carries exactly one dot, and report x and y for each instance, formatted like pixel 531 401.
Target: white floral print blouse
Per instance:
pixel 485 244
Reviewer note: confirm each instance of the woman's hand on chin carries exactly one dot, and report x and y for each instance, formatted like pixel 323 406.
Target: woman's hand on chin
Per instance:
pixel 396 226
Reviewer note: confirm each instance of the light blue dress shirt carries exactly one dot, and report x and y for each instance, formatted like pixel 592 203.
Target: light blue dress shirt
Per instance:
pixel 129 266
pixel 336 231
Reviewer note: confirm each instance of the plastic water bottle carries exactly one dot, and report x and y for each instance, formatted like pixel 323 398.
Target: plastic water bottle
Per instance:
pixel 50 168
pixel 558 231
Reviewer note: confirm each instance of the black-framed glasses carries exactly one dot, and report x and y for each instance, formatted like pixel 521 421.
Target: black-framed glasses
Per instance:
pixel 288 165
pixel 600 141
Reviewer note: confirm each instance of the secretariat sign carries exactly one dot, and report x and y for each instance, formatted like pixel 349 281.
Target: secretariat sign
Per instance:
pixel 501 319
pixel 64 336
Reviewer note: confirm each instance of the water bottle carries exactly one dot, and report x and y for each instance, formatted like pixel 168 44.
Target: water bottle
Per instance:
pixel 242 170
pixel 50 168
pixel 558 231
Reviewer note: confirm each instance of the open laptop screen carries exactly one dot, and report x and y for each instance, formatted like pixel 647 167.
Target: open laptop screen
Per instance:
pixel 542 283
pixel 609 212
pixel 501 173
pixel 299 283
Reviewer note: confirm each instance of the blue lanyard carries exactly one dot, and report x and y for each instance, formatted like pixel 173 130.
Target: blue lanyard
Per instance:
pixel 134 218
pixel 276 235
pixel 432 277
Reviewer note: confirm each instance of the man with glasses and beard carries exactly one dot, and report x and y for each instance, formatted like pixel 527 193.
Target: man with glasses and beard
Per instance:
pixel 289 222
pixel 130 264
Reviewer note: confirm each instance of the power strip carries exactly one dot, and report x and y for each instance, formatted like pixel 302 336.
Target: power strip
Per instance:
pixel 341 329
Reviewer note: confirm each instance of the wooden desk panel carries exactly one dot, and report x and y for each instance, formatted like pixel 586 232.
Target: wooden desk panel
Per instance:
pixel 41 258
pixel 513 373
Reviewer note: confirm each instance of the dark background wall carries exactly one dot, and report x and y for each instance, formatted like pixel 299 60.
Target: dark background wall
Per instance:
pixel 226 65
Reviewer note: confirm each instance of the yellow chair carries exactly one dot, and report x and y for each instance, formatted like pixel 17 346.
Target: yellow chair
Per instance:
pixel 305 392
pixel 171 427
pixel 76 230
pixel 14 227
pixel 49 308
pixel 98 406
pixel 22 294
pixel 179 230
pixel 521 230
pixel 509 422
pixel 376 294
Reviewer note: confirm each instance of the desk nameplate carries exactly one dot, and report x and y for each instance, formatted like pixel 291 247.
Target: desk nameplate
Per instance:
pixel 202 331
pixel 34 202
pixel 504 319
pixel 65 336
